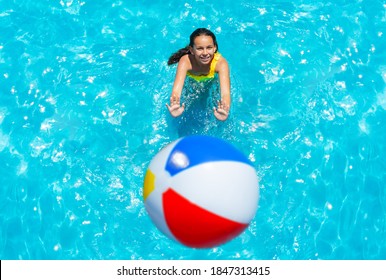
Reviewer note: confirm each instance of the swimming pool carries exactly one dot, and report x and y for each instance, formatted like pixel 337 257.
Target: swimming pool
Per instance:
pixel 83 88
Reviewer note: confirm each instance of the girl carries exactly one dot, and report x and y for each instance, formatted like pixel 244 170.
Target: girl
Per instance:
pixel 200 61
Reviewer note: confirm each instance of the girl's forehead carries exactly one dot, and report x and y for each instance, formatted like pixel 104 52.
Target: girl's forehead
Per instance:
pixel 203 40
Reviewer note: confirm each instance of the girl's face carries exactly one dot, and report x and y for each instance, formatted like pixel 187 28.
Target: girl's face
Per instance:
pixel 203 49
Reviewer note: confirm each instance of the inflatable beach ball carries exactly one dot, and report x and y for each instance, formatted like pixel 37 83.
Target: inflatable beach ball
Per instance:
pixel 201 191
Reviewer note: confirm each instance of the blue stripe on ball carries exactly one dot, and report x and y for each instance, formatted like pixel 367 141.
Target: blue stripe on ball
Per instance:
pixel 198 149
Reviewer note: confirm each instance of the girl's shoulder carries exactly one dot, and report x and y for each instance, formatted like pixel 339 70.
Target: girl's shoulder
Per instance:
pixel 185 61
pixel 221 63
pixel 185 58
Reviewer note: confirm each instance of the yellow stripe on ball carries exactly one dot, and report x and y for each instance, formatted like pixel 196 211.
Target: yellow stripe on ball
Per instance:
pixel 148 184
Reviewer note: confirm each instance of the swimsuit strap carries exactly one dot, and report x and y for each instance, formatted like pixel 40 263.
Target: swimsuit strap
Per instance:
pixel 211 74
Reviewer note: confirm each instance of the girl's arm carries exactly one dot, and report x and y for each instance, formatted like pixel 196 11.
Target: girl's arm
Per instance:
pixel 175 107
pixel 182 69
pixel 225 85
pixel 222 110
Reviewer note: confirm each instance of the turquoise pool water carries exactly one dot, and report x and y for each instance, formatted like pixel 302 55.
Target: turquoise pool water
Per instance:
pixel 83 87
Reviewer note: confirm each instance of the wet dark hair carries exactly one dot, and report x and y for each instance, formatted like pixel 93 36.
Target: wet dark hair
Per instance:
pixel 175 57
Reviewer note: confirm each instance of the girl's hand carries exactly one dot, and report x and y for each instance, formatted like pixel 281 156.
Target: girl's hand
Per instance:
pixel 222 111
pixel 175 108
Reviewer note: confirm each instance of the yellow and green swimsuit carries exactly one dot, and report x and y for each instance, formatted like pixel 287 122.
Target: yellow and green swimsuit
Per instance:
pixel 211 74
